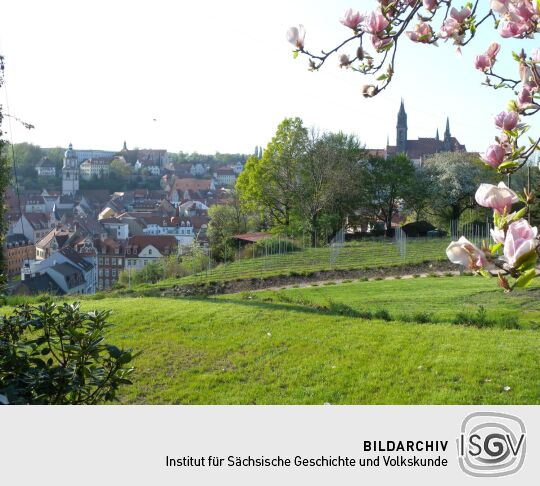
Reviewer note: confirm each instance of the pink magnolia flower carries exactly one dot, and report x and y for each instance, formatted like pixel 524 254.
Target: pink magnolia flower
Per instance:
pixel 498 235
pixel 520 242
pixel 449 28
pixel 461 15
pixel 463 252
pixel 296 36
pixel 482 63
pixel 525 98
pixel 380 43
pixel 375 22
pixel 508 28
pixel 492 51
pixel 507 120
pixel 422 33
pixel 430 4
pixel 352 19
pixel 499 198
pixel 535 56
pixel 499 6
pixel 494 155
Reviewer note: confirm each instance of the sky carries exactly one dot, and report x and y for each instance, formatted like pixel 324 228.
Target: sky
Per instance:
pixel 219 76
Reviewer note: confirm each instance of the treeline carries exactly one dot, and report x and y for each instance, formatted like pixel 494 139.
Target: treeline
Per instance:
pixel 314 183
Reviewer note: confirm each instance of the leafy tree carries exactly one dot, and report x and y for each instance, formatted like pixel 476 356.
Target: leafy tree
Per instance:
pixel 121 169
pixel 225 221
pixel 385 183
pixel 270 184
pixel 56 354
pixel 456 176
pixel 27 157
pixel 419 192
pixel 329 176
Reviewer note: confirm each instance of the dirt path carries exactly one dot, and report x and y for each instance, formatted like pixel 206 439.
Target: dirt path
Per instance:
pixel 340 281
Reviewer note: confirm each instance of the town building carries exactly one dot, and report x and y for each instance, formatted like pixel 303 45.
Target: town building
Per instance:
pixel 46 168
pixel 33 225
pixel 18 251
pixel 142 250
pixel 225 176
pixel 70 172
pixel 96 168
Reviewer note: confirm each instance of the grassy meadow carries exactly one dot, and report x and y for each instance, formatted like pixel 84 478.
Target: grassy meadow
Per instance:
pixel 379 342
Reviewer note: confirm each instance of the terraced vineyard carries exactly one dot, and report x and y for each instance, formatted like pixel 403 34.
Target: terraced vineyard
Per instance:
pixel 351 256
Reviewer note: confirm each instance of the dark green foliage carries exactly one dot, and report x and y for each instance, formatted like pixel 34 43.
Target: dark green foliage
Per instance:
pixel 56 354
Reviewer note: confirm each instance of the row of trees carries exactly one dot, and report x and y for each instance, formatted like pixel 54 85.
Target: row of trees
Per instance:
pixel 312 182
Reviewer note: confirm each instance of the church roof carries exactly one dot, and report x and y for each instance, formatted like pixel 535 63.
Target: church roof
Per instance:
pixel 417 149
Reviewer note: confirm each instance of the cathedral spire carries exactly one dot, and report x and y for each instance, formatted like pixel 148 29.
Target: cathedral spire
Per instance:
pixel 447 137
pixel 401 129
pixel 437 135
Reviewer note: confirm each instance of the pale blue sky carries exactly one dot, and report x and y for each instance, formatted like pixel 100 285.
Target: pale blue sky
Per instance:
pixel 220 76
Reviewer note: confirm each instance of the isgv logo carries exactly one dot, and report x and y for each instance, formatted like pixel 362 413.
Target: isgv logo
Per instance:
pixel 491 444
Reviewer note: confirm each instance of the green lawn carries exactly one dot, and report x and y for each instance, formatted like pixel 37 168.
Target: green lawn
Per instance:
pixel 277 348
pixel 353 256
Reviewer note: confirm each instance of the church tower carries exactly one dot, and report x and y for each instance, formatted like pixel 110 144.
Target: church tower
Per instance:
pixel 447 137
pixel 70 172
pixel 401 130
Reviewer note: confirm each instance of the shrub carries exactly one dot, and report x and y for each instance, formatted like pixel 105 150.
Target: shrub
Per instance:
pixel 56 354
pixel 479 319
pixel 382 314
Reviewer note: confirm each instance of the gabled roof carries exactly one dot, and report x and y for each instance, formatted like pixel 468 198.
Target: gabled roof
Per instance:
pixel 163 243
pixel 76 259
pixel 71 274
pixel 17 239
pixel 37 220
pixel 38 284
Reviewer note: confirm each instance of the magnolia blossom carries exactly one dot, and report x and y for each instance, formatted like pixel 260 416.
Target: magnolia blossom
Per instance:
pixel 369 90
pixel 499 6
pixel 499 198
pixel 535 56
pixel 352 19
pixel 422 33
pixel 507 121
pixel 296 36
pixel 461 15
pixel 486 61
pixel 507 29
pixel 449 28
pixel 344 60
pixel 525 99
pixel 494 155
pixel 375 22
pixel 498 235
pixel 520 242
pixel 380 43
pixel 463 252
pixel 430 4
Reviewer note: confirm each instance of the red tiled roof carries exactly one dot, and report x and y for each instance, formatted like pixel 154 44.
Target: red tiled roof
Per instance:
pixel 252 237
pixel 164 243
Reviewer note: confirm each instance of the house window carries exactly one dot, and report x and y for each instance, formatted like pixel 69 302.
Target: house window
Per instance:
pixel 106 261
pixel 113 272
pixel 100 260
pixel 100 272
pixel 106 272
pixel 113 261
pixel 119 261
pixel 149 251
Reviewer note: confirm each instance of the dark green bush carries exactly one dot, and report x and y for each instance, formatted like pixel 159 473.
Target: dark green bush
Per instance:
pixel 56 354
